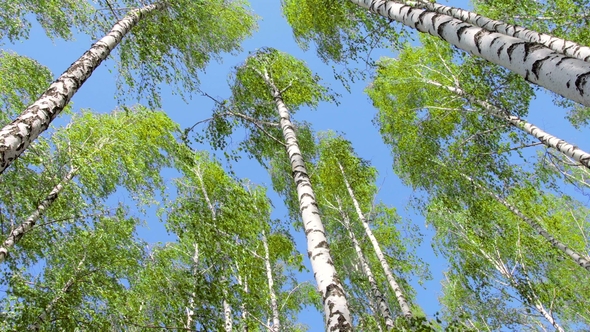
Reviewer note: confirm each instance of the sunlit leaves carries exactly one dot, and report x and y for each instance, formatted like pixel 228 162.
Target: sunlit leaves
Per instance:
pixel 59 18
pixel 22 80
pixel 171 47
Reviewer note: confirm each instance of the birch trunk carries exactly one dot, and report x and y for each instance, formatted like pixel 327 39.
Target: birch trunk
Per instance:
pixel 244 311
pixel 336 311
pixel 561 74
pixel 17 136
pixel 378 297
pixel 401 299
pixel 577 258
pixel 559 45
pixel 276 323
pixel 17 233
pixel 547 139
pixel 227 315
pixel 190 313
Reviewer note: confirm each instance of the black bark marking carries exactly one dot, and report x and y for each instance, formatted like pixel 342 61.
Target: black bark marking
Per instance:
pixel 322 244
pixel 537 66
pixel 440 28
pixel 309 231
pixel 581 81
pixel 513 47
pixel 499 52
pixel 562 60
pixel 421 17
pixel 461 29
pixel 477 38
pixel 529 48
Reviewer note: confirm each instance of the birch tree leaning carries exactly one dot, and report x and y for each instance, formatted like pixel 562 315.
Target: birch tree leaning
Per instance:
pixel 160 55
pixel 566 76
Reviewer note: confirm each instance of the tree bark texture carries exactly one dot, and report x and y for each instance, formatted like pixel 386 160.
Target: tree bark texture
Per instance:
pixel 538 64
pixel 26 226
pixel 17 136
pixel 399 294
pixel 559 45
pixel 337 313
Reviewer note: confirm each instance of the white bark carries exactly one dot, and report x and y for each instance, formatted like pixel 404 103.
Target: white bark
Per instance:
pixel 577 258
pixel 563 75
pixel 547 139
pixel 399 294
pixel 243 311
pixel 17 136
pixel 276 323
pixel 227 316
pixel 559 45
pixel 17 233
pixel 336 311
pixel 190 313
pixel 377 295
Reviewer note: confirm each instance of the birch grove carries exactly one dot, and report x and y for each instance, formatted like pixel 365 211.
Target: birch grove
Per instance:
pixel 270 204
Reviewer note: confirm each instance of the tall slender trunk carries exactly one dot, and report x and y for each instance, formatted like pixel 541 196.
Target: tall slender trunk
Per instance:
pixel 227 314
pixel 559 45
pixel 243 310
pixel 577 258
pixel 16 137
pixel 336 311
pixel 547 139
pixel 399 294
pixel 190 313
pixel 563 75
pixel 276 323
pixel 17 233
pixel 378 297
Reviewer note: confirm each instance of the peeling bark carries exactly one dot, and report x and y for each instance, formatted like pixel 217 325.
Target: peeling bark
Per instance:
pixel 16 137
pixel 26 226
pixel 336 311
pixel 538 64
pixel 559 45
pixel 399 294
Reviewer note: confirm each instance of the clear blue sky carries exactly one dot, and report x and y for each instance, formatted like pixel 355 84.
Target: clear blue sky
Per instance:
pixel 353 117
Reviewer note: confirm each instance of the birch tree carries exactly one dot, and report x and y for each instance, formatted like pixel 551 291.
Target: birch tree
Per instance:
pixel 262 87
pixel 537 64
pixel 173 60
pixel 347 183
pixel 82 281
pixel 92 157
pixel 216 218
pixel 433 70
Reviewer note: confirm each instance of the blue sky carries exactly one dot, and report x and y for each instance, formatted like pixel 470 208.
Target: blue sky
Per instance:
pixel 352 117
